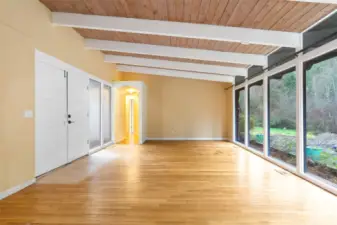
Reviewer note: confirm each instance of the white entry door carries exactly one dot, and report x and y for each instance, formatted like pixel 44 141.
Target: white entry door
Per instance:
pixel 78 115
pixel 62 122
pixel 50 118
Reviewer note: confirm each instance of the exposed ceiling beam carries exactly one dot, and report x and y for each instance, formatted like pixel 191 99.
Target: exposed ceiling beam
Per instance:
pixel 166 64
pixel 175 73
pixel 176 52
pixel 178 29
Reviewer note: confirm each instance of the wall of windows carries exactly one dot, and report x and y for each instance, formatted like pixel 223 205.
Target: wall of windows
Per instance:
pixel 255 110
pixel 282 116
pixel 321 117
pixel 240 115
pixel 292 115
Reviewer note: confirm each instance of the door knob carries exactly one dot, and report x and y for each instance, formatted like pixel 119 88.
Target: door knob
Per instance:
pixel 70 122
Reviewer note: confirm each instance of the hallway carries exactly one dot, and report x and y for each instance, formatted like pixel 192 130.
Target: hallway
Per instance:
pixel 170 183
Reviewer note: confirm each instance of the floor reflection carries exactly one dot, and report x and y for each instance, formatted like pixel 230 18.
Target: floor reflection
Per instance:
pixel 131 139
pixel 170 183
pixel 80 169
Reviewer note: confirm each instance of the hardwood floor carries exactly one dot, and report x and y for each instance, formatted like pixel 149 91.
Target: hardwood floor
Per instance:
pixel 171 183
pixel 131 139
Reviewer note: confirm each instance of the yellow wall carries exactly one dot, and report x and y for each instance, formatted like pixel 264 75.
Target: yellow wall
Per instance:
pixel 135 97
pixel 120 114
pixel 185 108
pixel 24 26
pixel 136 118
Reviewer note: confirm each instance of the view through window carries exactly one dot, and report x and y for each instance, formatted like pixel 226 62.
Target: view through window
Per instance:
pixel 321 117
pixel 255 108
pixel 282 116
pixel 240 115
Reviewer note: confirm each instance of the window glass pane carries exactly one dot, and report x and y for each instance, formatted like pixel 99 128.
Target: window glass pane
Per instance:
pixel 282 117
pixel 95 113
pixel 321 118
pixel 106 114
pixel 255 103
pixel 240 115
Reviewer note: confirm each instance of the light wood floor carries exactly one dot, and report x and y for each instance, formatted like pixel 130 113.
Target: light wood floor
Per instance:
pixel 197 183
pixel 131 139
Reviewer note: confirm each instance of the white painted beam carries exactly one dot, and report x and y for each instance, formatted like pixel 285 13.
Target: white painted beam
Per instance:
pixel 175 73
pixel 176 52
pixel 165 64
pixel 178 29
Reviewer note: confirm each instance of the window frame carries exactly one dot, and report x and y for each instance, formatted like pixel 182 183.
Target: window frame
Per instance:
pixel 281 74
pixel 298 63
pixel 306 64
pixel 237 121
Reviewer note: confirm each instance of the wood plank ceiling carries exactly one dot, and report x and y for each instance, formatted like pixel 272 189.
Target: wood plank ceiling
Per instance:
pixel 280 15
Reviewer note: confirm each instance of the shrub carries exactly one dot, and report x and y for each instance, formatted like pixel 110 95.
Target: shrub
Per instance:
pixel 242 122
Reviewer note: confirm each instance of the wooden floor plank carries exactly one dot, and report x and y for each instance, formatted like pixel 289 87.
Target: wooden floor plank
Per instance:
pixel 170 183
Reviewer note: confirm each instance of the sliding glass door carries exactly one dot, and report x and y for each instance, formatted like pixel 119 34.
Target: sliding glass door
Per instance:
pixel 95 113
pixel 106 120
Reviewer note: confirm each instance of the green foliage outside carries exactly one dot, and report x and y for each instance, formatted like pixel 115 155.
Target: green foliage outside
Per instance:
pixel 321 111
pixel 321 99
pixel 277 131
pixel 242 122
pixel 328 159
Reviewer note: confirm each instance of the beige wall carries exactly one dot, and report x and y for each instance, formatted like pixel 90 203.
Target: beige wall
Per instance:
pixel 24 26
pixel 229 112
pixel 185 108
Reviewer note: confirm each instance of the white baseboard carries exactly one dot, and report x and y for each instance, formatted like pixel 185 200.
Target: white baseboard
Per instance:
pixel 94 150
pixel 108 144
pixel 15 189
pixel 187 139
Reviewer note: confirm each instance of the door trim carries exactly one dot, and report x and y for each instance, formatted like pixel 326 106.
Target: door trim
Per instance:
pixel 55 62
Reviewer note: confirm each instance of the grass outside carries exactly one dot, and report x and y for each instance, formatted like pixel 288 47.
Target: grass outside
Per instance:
pixel 327 158
pixel 277 131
